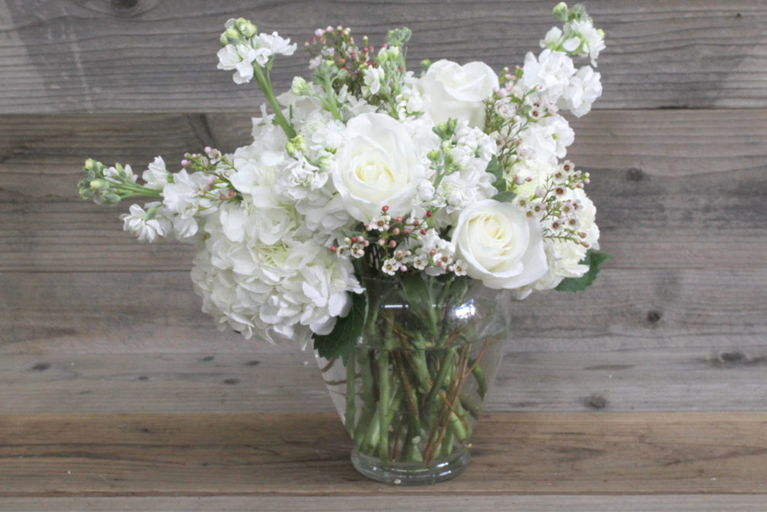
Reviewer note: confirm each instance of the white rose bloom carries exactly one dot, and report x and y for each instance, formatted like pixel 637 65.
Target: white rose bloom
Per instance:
pixel 156 176
pixel 581 92
pixel 500 245
pixel 146 230
pixel 377 165
pixel 458 92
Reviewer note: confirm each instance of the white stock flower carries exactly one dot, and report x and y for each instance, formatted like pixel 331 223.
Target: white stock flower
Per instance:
pixel 275 44
pixel 372 78
pixel 500 245
pixel 156 176
pixel 593 39
pixel 581 92
pixel 146 230
pixel 547 139
pixel 457 91
pixel 377 165
pixel 548 74
pixel 240 59
pixel 183 196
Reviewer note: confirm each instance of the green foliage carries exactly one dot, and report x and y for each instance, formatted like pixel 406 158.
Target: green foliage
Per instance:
pixel 342 340
pixel 495 168
pixel 577 284
pixel 505 197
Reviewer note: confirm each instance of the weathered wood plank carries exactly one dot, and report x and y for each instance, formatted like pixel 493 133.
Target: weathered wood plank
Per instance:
pixel 157 312
pixel 673 188
pixel 150 56
pixel 411 503
pixel 218 455
pixel 717 379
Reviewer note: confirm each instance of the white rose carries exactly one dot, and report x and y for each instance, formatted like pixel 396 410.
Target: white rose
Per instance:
pixel 457 91
pixel 500 245
pixel 377 165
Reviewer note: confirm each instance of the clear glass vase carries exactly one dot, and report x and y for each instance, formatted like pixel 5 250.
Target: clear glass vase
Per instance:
pixel 411 392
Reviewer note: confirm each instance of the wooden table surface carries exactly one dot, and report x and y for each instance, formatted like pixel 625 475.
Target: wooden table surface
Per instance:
pixel 646 393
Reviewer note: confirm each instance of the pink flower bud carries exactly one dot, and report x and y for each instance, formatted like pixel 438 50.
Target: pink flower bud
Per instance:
pixel 392 243
pixel 333 248
pixel 398 220
pixel 395 231
pixel 423 231
pixel 384 209
pixel 185 162
pixel 208 149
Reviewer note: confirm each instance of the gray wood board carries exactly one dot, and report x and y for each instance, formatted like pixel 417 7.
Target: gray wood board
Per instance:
pixel 150 56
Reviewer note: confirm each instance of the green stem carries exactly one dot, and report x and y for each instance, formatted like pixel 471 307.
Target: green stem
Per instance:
pixel 265 83
pixel 384 395
pixel 351 381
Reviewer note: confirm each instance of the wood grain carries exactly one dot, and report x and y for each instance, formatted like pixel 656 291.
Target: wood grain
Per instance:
pixel 157 312
pixel 655 379
pixel 390 503
pixel 674 189
pixel 204 455
pixel 149 56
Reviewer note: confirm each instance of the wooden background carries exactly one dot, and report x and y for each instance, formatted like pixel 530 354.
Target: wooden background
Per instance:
pixel 93 322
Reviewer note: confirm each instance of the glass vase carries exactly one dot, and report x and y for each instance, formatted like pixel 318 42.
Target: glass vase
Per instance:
pixel 412 390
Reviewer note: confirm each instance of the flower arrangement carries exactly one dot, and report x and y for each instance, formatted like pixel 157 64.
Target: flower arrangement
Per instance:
pixel 370 173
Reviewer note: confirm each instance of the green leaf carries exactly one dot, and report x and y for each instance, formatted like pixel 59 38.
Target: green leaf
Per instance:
pixel 495 168
pixel 342 340
pixel 505 197
pixel 577 284
pixel 415 290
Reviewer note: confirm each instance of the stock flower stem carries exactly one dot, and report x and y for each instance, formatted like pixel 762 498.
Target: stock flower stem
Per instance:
pixel 264 82
pixel 384 395
pixel 351 381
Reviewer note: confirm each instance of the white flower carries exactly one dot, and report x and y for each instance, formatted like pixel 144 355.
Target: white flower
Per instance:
pixel 275 44
pixel 156 176
pixel 548 74
pixel 547 139
pixel 116 175
pixel 593 39
pixel 144 228
pixel 240 59
pixel 373 78
pixel 377 165
pixel 457 91
pixel 552 37
pixel 390 266
pixel 581 92
pixel 183 196
pixel 500 245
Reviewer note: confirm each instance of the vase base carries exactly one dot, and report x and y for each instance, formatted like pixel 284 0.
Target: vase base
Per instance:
pixel 412 473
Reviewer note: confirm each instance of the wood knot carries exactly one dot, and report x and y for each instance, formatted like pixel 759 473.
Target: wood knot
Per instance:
pixel 635 174
pixel 207 359
pixel 40 367
pixel 595 402
pixel 232 382
pixel 654 316
pixel 255 362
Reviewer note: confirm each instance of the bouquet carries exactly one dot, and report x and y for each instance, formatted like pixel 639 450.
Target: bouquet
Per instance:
pixel 370 192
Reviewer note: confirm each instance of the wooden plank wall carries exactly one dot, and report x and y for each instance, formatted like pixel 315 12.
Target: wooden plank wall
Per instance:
pixel 93 322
